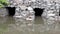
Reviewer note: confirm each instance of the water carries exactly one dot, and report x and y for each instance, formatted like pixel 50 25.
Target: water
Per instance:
pixel 10 25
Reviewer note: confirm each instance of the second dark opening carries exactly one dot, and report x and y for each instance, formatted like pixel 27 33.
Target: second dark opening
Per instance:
pixel 38 11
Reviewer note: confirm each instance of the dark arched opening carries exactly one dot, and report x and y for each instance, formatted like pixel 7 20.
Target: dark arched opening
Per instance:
pixel 38 11
pixel 59 13
pixel 11 11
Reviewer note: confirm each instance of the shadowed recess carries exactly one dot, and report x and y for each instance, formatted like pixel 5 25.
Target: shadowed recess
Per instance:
pixel 38 11
pixel 11 11
pixel 59 13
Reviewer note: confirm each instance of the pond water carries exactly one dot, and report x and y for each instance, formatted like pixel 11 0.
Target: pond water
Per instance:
pixel 10 25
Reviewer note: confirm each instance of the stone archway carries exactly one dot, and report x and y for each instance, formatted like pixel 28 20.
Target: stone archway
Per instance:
pixel 50 8
pixel 38 11
pixel 11 11
pixel 59 12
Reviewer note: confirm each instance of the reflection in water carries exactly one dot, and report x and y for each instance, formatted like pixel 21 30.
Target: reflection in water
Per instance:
pixel 10 25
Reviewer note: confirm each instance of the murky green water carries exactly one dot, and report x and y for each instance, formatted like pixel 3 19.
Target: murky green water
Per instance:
pixel 10 25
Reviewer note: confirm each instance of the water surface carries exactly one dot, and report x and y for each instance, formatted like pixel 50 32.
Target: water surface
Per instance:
pixel 10 25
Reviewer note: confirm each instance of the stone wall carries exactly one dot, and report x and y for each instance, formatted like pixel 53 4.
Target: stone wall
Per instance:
pixel 24 9
pixel 51 7
pixel 3 12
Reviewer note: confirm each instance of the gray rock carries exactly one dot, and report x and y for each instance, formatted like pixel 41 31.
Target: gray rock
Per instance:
pixel 3 12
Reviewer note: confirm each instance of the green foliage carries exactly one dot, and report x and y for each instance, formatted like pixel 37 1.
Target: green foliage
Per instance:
pixel 3 3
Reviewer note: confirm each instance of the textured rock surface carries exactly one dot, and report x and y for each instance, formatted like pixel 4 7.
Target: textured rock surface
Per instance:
pixel 3 12
pixel 23 8
pixel 51 7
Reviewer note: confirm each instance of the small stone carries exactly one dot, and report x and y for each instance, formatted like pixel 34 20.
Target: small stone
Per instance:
pixel 23 7
pixel 51 15
pixel 50 11
pixel 30 8
pixel 17 9
pixel 14 3
pixel 31 11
